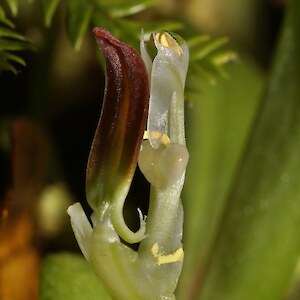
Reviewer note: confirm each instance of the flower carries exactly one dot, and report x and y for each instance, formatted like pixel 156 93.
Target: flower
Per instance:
pixel 151 272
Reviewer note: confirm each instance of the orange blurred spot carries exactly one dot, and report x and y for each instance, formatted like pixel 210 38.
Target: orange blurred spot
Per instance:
pixel 19 261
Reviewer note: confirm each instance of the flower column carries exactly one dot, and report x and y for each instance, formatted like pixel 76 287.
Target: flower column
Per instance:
pixel 163 159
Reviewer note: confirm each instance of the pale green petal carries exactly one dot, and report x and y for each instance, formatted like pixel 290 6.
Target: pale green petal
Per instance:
pixel 81 227
pixel 167 80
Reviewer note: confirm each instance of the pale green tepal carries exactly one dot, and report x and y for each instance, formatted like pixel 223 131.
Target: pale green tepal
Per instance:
pixel 152 272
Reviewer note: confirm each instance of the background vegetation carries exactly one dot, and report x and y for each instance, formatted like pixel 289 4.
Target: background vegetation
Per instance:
pixel 241 198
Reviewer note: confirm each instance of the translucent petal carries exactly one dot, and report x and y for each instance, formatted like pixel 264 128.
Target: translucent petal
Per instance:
pixel 81 227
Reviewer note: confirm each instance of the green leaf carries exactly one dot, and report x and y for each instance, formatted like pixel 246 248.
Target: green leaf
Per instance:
pixel 121 8
pixel 208 59
pixel 199 53
pixel 257 244
pixel 5 64
pixel 220 60
pixel 131 30
pixel 13 45
pixel 197 40
pixel 15 58
pixel 10 40
pixel 68 276
pixel 215 143
pixel 50 7
pixel 4 20
pixel 13 5
pixel 156 26
pixel 79 16
pixel 6 32
pixel 294 288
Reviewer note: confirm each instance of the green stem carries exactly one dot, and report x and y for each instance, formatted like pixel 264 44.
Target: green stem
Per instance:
pixel 164 231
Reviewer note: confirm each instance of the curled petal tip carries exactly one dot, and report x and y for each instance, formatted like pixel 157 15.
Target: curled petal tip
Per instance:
pixel 99 31
pixel 103 36
pixel 102 33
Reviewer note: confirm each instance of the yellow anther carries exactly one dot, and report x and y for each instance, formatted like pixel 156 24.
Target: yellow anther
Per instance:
pixel 168 41
pixel 167 259
pixel 165 140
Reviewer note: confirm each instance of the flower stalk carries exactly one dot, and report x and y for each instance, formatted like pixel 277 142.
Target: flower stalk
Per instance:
pixel 151 272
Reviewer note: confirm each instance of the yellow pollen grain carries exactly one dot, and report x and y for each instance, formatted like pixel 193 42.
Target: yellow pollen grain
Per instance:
pixel 157 135
pixel 167 259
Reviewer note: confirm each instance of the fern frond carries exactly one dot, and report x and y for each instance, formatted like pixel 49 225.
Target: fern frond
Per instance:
pixel 11 41
pixel 209 57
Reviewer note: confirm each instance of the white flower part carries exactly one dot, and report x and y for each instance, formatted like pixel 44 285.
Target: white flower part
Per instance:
pixel 144 54
pixel 172 163
pixel 161 162
pixel 168 76
pixel 162 167
pixel 81 227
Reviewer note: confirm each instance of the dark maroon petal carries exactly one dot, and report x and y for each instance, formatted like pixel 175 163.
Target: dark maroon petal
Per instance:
pixel 116 144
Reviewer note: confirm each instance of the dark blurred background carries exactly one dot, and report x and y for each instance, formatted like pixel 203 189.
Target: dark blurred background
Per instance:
pixel 49 110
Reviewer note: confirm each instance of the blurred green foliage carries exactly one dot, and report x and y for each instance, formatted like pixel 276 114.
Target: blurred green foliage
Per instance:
pixel 223 117
pixel 207 54
pixel 257 245
pixel 242 193
pixel 11 41
pixel 58 280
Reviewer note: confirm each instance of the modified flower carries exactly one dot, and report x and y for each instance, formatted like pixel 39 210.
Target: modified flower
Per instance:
pixel 151 272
